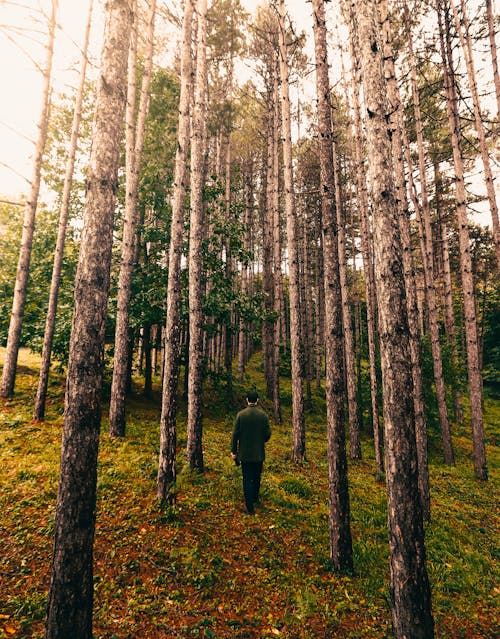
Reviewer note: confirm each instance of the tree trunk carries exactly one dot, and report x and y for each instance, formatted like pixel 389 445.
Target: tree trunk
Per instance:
pixel 134 143
pixel 449 319
pixel 50 322
pixel 298 435
pixel 243 325
pixel 69 614
pixel 473 369
pixel 171 363
pixel 410 590
pixel 397 124
pixel 465 41
pixel 277 274
pixel 350 368
pixel 195 377
pixel 366 249
pixel 423 213
pixel 320 312
pixel 339 512
pixel 23 265
pixel 267 254
pixel 493 50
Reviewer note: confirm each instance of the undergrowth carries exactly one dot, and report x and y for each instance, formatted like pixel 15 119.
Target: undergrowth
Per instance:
pixel 204 568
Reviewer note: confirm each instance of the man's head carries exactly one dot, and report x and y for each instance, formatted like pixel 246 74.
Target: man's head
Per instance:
pixel 252 397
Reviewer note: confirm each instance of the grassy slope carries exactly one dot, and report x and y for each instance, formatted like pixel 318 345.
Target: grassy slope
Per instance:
pixel 207 569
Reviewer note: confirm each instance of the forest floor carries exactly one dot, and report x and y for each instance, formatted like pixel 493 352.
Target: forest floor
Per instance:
pixel 205 568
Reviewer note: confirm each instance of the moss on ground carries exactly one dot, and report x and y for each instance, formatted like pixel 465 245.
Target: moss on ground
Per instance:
pixel 204 568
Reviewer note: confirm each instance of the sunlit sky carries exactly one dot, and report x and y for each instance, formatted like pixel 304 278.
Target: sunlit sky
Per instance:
pixel 22 42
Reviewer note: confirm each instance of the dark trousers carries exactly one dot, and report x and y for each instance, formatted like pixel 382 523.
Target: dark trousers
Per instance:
pixel 251 482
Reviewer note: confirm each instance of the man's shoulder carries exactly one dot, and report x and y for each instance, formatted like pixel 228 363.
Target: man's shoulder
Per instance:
pixel 252 411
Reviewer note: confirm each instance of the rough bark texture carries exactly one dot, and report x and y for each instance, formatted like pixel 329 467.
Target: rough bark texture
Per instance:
pixel 339 513
pixel 298 436
pixel 117 402
pixel 69 613
pixel 23 265
pixel 135 128
pixel 448 313
pixel 465 41
pixel 473 367
pixel 397 124
pixel 423 213
pixel 493 51
pixel 267 252
pixel 411 599
pixel 168 421
pixel 367 253
pixel 277 274
pixel 195 377
pixel 50 322
pixel 350 368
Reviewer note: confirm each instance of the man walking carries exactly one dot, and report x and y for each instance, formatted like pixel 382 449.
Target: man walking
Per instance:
pixel 250 434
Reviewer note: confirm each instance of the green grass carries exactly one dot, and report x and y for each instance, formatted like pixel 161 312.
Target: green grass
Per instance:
pixel 205 569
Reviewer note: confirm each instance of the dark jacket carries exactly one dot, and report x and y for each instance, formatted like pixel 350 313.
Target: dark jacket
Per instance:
pixel 251 432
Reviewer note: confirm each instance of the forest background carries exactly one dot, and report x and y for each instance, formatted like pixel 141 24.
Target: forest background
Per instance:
pixel 248 340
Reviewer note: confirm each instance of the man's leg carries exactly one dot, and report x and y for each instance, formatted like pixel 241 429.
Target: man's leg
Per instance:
pixel 247 471
pixel 256 481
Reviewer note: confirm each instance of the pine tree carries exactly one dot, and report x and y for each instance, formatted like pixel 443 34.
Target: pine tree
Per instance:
pixel 70 602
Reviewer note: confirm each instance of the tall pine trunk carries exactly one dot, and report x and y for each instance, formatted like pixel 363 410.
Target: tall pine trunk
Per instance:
pixel 50 322
pixel 448 313
pixel 277 274
pixel 171 363
pixel 339 511
pixel 465 41
pixel 298 434
pixel 423 213
pixel 70 602
pixel 410 590
pixel 349 354
pixel 369 275
pixel 23 265
pixel 135 129
pixel 471 337
pixel 493 51
pixel 195 376
pixel 397 125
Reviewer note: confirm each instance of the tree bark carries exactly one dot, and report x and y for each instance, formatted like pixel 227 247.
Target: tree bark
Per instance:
pixel 449 319
pixel 135 130
pixel 69 614
pixel 267 252
pixel 171 364
pixel 493 51
pixel 473 368
pixel 397 124
pixel 369 275
pixel 16 319
pixel 423 213
pixel 277 273
pixel 350 368
pixel 339 512
pixel 410 590
pixel 195 376
pixel 465 41
pixel 298 428
pixel 50 322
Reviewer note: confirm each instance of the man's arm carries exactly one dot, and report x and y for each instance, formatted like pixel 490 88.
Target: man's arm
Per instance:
pixel 268 429
pixel 235 438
